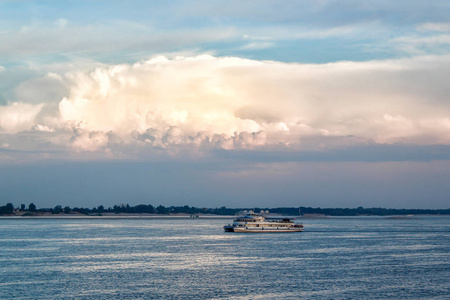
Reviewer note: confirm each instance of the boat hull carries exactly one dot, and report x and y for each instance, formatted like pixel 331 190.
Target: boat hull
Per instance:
pixel 263 230
pixel 228 228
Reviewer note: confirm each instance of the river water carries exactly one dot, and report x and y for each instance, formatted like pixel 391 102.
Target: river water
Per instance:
pixel 338 258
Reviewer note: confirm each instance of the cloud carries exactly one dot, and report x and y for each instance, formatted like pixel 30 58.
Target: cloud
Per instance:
pixel 18 116
pixel 428 38
pixel 139 30
pixel 204 102
pixel 257 45
pixel 88 141
pixel 48 88
pixel 440 27
pixel 62 39
pixel 423 44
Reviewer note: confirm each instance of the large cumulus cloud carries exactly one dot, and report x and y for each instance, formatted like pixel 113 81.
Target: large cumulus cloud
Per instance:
pixel 207 102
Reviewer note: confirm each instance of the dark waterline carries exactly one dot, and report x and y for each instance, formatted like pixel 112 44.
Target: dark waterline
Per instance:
pixel 339 258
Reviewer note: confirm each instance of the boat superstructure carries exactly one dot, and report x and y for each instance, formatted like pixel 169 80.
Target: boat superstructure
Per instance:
pixel 254 222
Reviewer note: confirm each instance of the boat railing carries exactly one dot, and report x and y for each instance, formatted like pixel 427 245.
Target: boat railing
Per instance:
pixel 248 220
pixel 279 220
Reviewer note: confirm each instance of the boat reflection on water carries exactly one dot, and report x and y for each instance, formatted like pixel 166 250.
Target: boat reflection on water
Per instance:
pixel 262 223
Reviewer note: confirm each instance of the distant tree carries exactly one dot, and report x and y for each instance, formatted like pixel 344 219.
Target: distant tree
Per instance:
pixel 84 211
pixel 57 210
pixel 101 209
pixel 67 210
pixel 7 209
pixel 10 207
pixel 142 208
pixel 32 207
pixel 22 207
pixel 161 209
pixel 116 209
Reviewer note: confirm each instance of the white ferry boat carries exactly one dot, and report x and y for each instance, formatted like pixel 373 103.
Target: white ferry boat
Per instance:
pixel 253 222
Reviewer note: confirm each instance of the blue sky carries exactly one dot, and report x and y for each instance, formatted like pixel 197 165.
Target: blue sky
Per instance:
pixel 296 31
pixel 212 103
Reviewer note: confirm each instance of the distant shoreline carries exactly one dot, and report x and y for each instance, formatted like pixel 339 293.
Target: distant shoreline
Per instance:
pixel 193 217
pixel 116 216
pixel 160 211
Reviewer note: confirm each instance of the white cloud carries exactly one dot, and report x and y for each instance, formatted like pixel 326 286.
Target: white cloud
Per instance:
pixel 61 23
pixel 49 88
pixel 18 116
pixel 89 141
pixel 67 39
pixel 423 44
pixel 257 45
pixel 441 27
pixel 429 38
pixel 206 102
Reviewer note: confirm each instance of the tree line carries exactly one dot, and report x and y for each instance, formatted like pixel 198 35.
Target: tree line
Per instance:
pixel 31 209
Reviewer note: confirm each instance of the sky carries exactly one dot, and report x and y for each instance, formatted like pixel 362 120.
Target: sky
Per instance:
pixel 225 103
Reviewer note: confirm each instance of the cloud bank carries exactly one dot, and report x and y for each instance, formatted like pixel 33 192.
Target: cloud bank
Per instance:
pixel 205 102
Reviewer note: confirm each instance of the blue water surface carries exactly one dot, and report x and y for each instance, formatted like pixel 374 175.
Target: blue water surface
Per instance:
pixel 336 258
